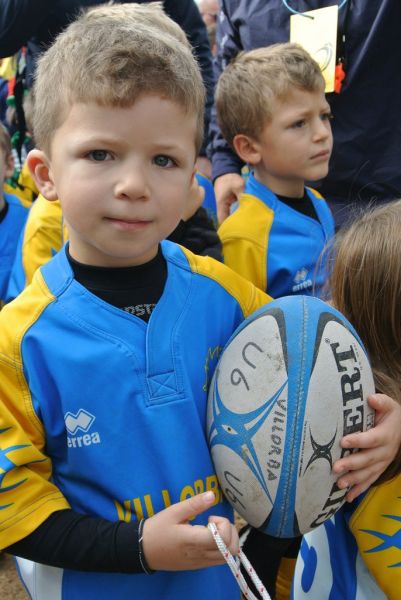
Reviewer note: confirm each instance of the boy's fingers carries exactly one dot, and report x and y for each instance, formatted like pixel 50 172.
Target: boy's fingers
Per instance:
pixel 358 489
pixel 367 439
pixel 355 461
pixel 183 511
pixel 362 477
pixel 228 533
pixel 380 402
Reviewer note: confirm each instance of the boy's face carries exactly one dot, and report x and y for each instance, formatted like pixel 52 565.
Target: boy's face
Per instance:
pixel 6 165
pixel 123 177
pixel 296 145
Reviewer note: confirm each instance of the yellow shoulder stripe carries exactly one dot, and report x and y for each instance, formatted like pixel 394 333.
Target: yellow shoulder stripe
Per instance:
pixel 247 295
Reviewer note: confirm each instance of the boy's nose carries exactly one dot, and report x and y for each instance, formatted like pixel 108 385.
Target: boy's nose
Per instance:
pixel 321 130
pixel 131 185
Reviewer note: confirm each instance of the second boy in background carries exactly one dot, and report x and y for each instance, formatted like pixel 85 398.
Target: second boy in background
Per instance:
pixel 272 109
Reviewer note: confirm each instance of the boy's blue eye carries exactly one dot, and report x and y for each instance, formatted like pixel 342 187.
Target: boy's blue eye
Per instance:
pixel 98 155
pixel 298 124
pixel 161 160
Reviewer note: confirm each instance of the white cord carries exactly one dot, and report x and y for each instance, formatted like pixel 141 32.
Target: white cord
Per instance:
pixel 235 566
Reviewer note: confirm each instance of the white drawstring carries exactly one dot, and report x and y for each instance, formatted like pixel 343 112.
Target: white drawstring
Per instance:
pixel 235 566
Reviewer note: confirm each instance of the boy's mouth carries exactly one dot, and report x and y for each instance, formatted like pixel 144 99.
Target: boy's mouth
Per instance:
pixel 322 155
pixel 129 224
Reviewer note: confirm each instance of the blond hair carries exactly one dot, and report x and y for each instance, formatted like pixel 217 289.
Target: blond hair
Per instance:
pixel 365 285
pixel 112 55
pixel 253 80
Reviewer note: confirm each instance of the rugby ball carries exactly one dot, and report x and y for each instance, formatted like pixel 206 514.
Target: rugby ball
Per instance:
pixel 291 382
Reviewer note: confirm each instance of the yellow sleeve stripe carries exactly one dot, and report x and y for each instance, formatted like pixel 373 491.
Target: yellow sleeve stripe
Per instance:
pixel 245 293
pixel 245 238
pixel 251 221
pixel 18 317
pixel 27 496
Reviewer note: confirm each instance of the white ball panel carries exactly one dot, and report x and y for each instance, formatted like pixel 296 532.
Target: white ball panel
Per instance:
pixel 340 383
pixel 252 365
pixel 240 486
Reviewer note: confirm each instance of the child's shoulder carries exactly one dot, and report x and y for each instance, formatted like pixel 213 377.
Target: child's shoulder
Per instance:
pixel 18 316
pixel 249 220
pixel 214 272
pixel 15 217
pixel 44 216
pixel 15 203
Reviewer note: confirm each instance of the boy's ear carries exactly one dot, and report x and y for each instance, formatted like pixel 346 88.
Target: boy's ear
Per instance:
pixel 39 167
pixel 9 166
pixel 247 148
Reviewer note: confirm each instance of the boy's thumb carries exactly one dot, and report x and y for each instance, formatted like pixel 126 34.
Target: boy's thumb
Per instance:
pixel 194 506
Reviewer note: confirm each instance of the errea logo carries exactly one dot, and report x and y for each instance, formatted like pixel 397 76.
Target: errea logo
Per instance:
pixel 81 421
pixel 301 275
pixel 301 281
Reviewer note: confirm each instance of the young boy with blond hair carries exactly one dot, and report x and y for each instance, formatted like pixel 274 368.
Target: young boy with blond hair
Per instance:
pixel 103 411
pixel 272 109
pixel 106 474
pixel 12 216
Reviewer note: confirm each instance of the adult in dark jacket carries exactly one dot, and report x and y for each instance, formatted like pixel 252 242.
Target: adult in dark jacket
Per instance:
pixel 365 164
pixel 35 23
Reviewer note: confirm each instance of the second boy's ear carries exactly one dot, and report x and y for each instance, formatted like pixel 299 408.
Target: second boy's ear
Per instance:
pixel 247 148
pixel 39 167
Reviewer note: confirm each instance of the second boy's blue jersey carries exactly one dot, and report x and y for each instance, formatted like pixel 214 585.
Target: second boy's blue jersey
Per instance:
pixel 275 246
pixel 106 414
pixel 10 229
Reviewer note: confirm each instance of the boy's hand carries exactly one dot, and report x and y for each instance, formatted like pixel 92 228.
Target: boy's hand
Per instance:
pixel 379 446
pixel 170 543
pixel 227 189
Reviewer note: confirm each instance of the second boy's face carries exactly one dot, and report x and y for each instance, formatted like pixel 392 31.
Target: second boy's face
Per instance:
pixel 296 145
pixel 123 177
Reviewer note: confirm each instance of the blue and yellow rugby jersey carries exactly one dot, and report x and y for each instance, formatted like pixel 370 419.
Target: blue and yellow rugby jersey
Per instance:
pixel 275 246
pixel 105 413
pixel 43 236
pixel 356 555
pixel 10 229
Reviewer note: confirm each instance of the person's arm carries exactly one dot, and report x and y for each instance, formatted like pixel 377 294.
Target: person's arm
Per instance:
pixel 69 540
pixel 226 165
pixel 187 15
pixel 165 541
pixel 19 20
